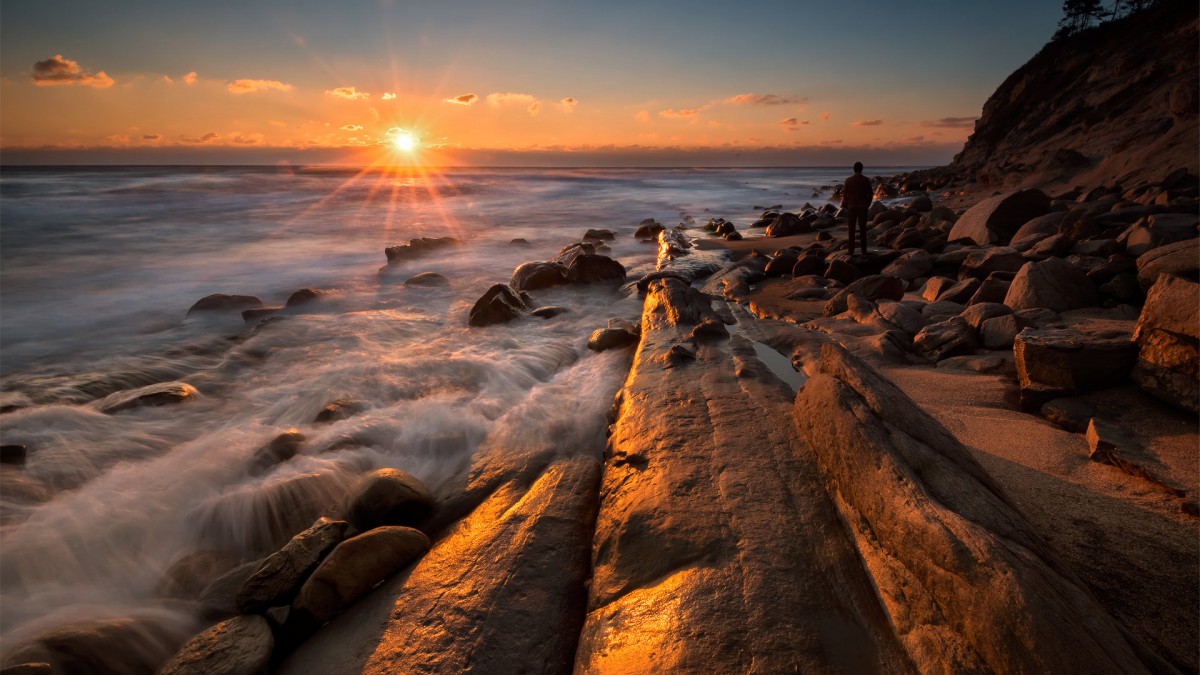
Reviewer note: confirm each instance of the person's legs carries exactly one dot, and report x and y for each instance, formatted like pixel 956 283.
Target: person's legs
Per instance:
pixel 862 222
pixel 851 228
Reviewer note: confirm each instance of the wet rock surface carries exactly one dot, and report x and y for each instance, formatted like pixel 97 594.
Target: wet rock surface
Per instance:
pixel 278 578
pixel 238 646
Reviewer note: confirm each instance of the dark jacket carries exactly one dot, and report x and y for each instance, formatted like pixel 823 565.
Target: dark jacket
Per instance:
pixel 857 191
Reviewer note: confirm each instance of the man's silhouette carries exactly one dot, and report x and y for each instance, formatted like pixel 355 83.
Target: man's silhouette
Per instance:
pixel 856 200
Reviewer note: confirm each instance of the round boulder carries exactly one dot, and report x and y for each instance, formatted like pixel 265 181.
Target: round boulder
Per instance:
pixel 532 276
pixel 240 646
pixel 388 497
pixel 220 301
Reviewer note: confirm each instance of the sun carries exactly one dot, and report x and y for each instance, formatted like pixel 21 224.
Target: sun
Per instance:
pixel 404 142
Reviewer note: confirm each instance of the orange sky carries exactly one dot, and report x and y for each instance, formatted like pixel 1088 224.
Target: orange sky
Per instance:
pixel 302 80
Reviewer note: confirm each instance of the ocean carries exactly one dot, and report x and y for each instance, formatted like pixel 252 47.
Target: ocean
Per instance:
pixel 98 267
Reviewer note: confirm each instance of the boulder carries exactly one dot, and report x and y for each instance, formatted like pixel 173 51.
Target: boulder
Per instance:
pixel 783 262
pixel 648 230
pixel 355 566
pixel 278 578
pixel 999 332
pixel 499 304
pixel 934 287
pixel 910 265
pixel 787 224
pixel 921 204
pixel 952 337
pixel 189 575
pixel 996 220
pixel 388 497
pixel 603 339
pixel 417 247
pixel 153 395
pixel 221 302
pixel 1181 259
pixel 842 271
pixel 960 292
pixel 427 279
pixel 302 296
pixel 1061 362
pixel 809 262
pixel 126 645
pixel 13 454
pixel 588 269
pixel 339 409
pixel 1157 230
pixel 1046 224
pixel 281 448
pixel 980 264
pixel 599 235
pixel 1054 245
pixel 1054 284
pixel 532 276
pixel 976 314
pixel 993 289
pixel 941 310
pixel 218 600
pixel 1168 340
pixel 874 287
pixel 910 321
pixel 239 646
pixel 549 311
pixel 251 315
pixel 1071 413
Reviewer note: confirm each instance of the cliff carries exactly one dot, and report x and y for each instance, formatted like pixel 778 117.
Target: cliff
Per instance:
pixel 1116 104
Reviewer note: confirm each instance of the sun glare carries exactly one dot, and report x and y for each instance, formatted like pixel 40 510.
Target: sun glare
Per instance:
pixel 404 142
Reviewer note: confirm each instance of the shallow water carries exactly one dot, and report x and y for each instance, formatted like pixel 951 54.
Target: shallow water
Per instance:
pixel 99 267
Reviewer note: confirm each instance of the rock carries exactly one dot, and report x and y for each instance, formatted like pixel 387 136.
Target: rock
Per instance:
pixel 909 266
pixel 648 230
pixel 599 235
pixel 588 269
pixel 388 497
pixel 709 330
pixel 1072 414
pixel 941 310
pixel 958 292
pixel 427 279
pixel 13 454
pixel 934 287
pixel 980 264
pixel 841 271
pixel 252 315
pixel 952 337
pixel 128 645
pixel 42 668
pixel 1061 362
pixel 993 289
pixel 921 204
pixel 1157 230
pixel 645 281
pixel 189 575
pixel 949 554
pixel 532 276
pixel 221 302
pixel 1054 284
pixel 985 363
pixel 1168 339
pixel 787 224
pixel 500 304
pixel 908 320
pixel 996 220
pixel 417 247
pixel 1096 247
pixel 218 600
pixel 549 311
pixel 154 395
pixel 809 262
pixel 874 287
pixel 519 241
pixel 1122 288
pixel 355 566
pixel 1046 224
pixel 783 262
pixel 1181 259
pixel 302 296
pixel 611 338
pixel 339 409
pixel 281 448
pixel 909 237
pixel 239 646
pixel 976 314
pixel 278 578
pixel 999 332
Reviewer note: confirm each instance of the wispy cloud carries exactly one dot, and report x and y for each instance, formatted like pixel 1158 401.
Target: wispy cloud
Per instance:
pixel 248 86
pixel 568 104
pixel 388 96
pixel 764 99
pixel 951 123
pixel 190 78
pixel 151 137
pixel 352 127
pixel 684 114
pixel 206 138
pixel 348 93
pixel 167 79
pixel 58 71
pixel 246 139
pixel 792 123
pixel 866 123
pixel 464 99
pixel 500 98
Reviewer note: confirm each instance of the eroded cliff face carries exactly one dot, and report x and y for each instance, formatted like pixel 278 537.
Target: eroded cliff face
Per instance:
pixel 1113 105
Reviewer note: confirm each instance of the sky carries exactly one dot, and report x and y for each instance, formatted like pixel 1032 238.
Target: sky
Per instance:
pixel 725 83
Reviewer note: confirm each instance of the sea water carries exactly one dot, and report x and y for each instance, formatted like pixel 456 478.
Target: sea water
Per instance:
pixel 98 267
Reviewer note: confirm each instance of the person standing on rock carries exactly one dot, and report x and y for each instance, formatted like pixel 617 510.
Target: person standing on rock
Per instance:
pixel 856 200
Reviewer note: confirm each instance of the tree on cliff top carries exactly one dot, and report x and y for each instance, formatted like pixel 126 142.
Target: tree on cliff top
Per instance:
pixel 1079 15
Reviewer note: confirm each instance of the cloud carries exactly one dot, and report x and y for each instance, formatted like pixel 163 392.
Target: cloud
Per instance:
pixel 245 139
pixel 951 123
pixel 642 116
pixel 250 86
pixel 680 114
pixel 824 117
pixel 866 123
pixel 348 93
pixel 764 99
pixel 568 104
pixel 792 124
pixel 388 96
pixel 535 107
pixel 57 70
pixel 151 137
pixel 167 79
pixel 190 78
pixel 510 97
pixel 352 127
pixel 206 138
pixel 465 99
